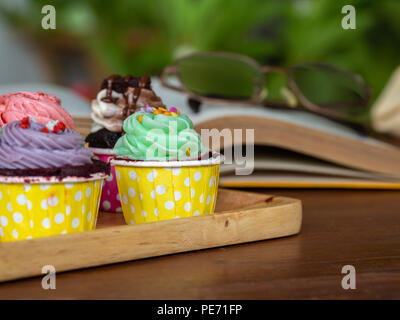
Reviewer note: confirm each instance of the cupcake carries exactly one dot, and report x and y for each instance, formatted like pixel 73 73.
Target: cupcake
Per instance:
pixel 36 105
pixel 163 171
pixel 49 183
pixel 118 98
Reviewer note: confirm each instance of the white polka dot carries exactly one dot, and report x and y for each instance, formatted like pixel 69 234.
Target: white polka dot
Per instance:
pixel 9 207
pixel 31 223
pixel 196 213
pixel 187 182
pixel 210 183
pixel 144 213
pixel 132 175
pixel 153 194
pixel 78 196
pixel 75 223
pixel 118 174
pixel 176 217
pixel 132 222
pixel 188 206
pixel 154 173
pixel 67 210
pixel 132 208
pixel 43 204
pixel 64 232
pixel 125 199
pixel 69 185
pixel 17 216
pixel 168 169
pixel 29 205
pixel 28 237
pixel 1 232
pixel 106 205
pixel 59 218
pixel 169 205
pixel 176 171
pixel 156 211
pixel 52 201
pixel 208 199
pixel 27 187
pixel 201 198
pixel 46 223
pixel 1 195
pixel 131 192
pixel 21 199
pixel 119 209
pixel 197 176
pixel 83 209
pixel 150 176
pixel 3 221
pixel 89 216
pixel 118 197
pixel 141 196
pixel 177 195
pixel 44 186
pixel 161 189
pixel 109 178
pixel 88 192
pixel 15 234
pixel 192 192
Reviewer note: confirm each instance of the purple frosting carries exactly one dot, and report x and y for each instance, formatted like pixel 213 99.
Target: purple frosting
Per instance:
pixel 29 148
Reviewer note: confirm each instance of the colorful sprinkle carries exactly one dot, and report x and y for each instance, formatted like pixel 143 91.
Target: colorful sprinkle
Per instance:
pixel 174 110
pixel 60 126
pixel 140 118
pixel 188 152
pixel 24 123
pixel 45 130
pixel 156 112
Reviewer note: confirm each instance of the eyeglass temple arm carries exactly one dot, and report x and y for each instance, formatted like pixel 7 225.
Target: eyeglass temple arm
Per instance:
pixel 171 70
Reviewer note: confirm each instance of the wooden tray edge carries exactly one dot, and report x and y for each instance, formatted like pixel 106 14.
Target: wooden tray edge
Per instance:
pixel 114 244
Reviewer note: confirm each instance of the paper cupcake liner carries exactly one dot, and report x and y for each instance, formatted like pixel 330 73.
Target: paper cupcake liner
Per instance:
pixel 35 210
pixel 166 191
pixel 109 197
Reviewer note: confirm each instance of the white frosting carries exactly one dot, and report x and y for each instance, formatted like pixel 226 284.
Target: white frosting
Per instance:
pixel 105 114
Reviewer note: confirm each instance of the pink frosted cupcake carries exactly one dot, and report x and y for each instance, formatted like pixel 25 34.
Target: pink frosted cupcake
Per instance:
pixel 36 105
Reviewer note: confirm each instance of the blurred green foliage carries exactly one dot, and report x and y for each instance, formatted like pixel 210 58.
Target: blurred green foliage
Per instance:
pixel 142 36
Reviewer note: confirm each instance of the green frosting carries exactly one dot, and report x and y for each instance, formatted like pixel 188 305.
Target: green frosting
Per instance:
pixel 159 137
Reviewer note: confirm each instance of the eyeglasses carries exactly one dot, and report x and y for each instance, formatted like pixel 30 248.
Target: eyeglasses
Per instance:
pixel 225 78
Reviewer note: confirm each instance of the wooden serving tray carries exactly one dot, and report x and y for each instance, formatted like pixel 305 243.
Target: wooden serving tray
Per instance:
pixel 240 217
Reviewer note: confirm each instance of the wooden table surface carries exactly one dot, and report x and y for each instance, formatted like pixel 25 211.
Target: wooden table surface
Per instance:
pixel 340 227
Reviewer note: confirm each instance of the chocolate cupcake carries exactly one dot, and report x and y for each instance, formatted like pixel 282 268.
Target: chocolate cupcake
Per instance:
pixel 117 99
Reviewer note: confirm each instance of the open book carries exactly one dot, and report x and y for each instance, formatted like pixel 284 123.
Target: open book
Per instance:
pixel 293 148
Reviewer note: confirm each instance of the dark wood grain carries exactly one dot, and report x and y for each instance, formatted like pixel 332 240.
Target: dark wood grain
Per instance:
pixel 340 227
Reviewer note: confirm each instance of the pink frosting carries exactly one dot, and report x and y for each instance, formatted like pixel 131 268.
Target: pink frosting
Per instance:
pixel 40 106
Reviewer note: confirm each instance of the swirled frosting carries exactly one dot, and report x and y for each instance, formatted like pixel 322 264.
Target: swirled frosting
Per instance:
pixel 28 144
pixel 159 136
pixel 37 105
pixel 118 95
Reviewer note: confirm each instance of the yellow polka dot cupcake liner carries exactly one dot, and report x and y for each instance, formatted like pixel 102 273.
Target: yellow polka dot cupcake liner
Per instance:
pixel 47 208
pixel 154 191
